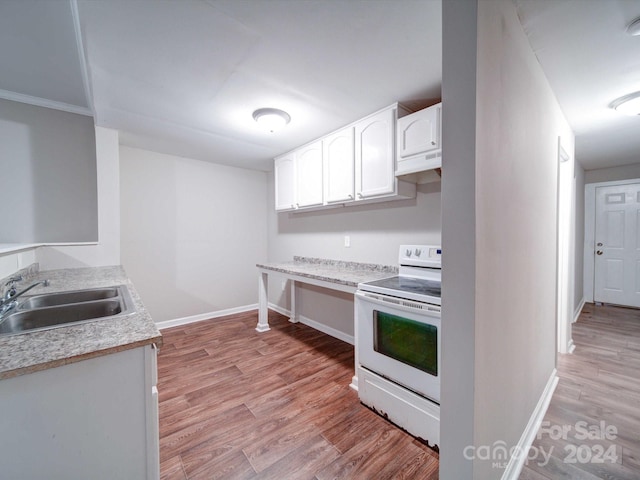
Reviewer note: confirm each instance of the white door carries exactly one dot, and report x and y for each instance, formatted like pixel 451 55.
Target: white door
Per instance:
pixel 617 250
pixel 339 157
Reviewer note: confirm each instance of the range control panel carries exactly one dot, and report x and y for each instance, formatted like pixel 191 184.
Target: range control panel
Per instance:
pixel 420 255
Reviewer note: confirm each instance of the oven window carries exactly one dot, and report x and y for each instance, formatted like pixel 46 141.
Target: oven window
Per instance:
pixel 410 342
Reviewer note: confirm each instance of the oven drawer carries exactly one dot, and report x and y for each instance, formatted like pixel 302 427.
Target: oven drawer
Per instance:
pixel 417 415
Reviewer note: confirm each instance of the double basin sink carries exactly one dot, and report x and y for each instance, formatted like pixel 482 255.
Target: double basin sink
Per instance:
pixel 52 310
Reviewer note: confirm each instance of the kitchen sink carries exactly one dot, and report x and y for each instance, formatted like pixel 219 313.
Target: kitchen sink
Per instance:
pixel 52 310
pixel 53 299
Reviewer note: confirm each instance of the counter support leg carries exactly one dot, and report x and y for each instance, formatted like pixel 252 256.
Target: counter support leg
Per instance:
pixel 354 379
pixel 293 318
pixel 263 295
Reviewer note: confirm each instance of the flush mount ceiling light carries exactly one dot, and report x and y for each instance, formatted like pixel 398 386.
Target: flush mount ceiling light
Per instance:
pixel 634 27
pixel 271 118
pixel 628 105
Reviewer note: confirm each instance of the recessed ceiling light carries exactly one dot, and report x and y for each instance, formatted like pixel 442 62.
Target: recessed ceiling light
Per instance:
pixel 634 27
pixel 271 118
pixel 629 104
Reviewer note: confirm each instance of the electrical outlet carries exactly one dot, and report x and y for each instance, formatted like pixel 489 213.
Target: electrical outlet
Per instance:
pixel 347 241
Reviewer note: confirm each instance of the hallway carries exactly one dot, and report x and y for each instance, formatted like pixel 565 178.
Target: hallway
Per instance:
pixel 592 427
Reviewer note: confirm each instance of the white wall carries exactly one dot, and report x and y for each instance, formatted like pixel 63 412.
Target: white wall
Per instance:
pixel 191 233
pixel 48 162
pixel 376 231
pixel 107 249
pixel 512 242
pixel 12 262
pixel 625 172
pixel 457 411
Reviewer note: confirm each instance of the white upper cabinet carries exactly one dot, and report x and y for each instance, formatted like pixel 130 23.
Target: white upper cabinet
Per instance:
pixel 308 168
pixel 355 164
pixel 284 174
pixel 375 162
pixel 419 132
pixel 419 140
pixel 339 167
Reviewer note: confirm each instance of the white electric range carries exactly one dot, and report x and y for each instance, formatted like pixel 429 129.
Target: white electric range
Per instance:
pixel 398 335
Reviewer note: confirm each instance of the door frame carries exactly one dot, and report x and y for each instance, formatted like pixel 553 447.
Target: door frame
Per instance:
pixel 565 218
pixel 590 233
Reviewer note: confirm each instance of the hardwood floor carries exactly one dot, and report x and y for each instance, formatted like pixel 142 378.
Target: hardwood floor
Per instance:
pixel 600 387
pixel 237 404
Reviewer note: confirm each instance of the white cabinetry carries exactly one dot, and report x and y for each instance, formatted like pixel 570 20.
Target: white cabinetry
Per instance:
pixel 97 418
pixel 355 164
pixel 375 162
pixel 284 174
pixel 338 152
pixel 419 141
pixel 308 168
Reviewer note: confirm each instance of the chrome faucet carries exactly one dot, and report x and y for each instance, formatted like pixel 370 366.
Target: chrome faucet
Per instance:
pixel 9 300
pixel 10 287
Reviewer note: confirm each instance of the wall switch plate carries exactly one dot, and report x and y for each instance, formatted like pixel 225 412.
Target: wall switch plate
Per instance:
pixel 347 241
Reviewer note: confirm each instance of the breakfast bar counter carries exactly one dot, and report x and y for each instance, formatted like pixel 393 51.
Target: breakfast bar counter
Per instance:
pixel 332 274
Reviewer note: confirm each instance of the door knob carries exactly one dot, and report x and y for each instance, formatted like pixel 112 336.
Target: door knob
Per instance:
pixel 599 252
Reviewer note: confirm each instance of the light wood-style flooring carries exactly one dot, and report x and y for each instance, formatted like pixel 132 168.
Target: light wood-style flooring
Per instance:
pixel 237 404
pixel 600 387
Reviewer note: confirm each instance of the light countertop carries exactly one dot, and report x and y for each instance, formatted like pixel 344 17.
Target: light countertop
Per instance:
pixel 35 351
pixel 332 271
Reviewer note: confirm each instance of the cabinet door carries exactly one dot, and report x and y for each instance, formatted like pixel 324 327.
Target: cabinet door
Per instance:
pixel 339 166
pixel 309 175
pixel 375 155
pixel 284 174
pixel 419 132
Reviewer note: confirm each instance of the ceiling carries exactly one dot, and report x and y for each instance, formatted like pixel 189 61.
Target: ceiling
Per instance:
pixel 590 61
pixel 183 77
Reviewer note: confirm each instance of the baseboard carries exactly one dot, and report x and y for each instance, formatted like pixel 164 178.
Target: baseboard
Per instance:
pixel 328 330
pixel 316 325
pixel 571 347
pixel 279 309
pixel 204 316
pixel 578 311
pixel 516 462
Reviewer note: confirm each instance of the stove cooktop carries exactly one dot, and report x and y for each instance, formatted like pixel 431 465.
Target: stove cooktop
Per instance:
pixel 410 288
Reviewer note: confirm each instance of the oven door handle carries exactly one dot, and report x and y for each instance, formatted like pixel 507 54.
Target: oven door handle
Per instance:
pixel 398 303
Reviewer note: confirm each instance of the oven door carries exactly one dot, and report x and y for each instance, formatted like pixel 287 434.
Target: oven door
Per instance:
pixel 400 340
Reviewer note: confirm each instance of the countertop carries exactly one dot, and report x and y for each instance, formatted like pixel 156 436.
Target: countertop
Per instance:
pixel 332 271
pixel 35 351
